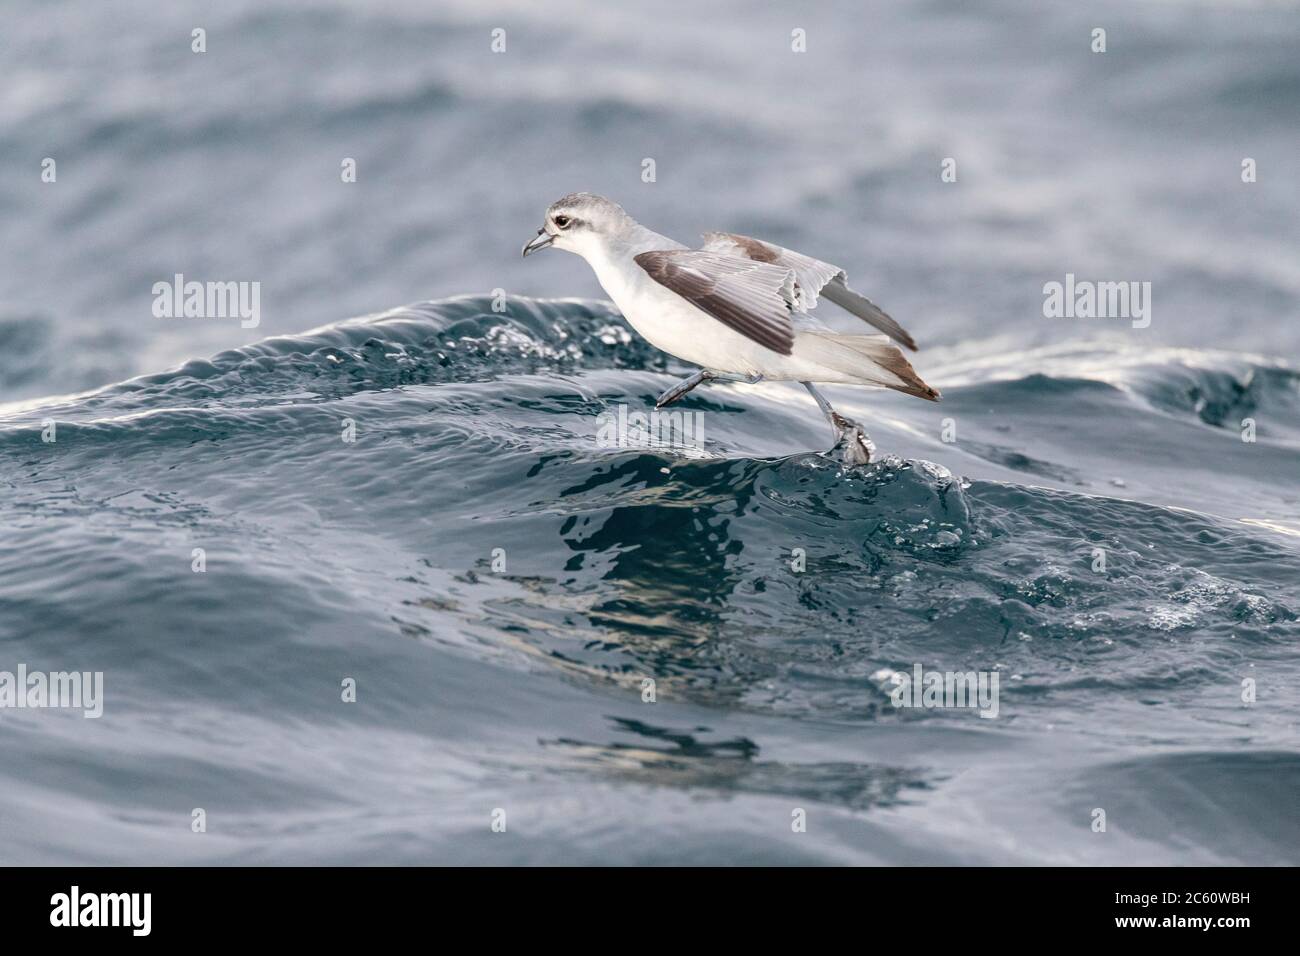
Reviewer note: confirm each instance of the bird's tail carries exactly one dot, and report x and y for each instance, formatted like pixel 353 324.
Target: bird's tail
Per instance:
pixel 864 359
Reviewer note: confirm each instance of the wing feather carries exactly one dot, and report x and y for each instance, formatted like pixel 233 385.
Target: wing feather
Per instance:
pixel 752 298
pixel 812 278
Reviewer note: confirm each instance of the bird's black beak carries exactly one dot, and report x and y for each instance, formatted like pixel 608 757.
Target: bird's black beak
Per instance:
pixel 543 240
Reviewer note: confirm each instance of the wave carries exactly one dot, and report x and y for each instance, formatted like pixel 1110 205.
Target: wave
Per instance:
pixel 429 480
pixel 683 563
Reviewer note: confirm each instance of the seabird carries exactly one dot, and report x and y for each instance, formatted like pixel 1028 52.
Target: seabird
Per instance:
pixel 737 307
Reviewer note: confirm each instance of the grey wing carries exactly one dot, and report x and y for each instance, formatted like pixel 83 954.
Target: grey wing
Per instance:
pixel 812 278
pixel 752 298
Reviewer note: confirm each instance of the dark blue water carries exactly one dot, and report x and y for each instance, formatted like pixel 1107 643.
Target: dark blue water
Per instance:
pixel 520 687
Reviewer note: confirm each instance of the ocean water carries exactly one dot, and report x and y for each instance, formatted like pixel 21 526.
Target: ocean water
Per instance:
pixel 414 497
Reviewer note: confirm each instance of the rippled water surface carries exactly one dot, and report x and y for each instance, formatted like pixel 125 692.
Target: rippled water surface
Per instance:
pixel 520 687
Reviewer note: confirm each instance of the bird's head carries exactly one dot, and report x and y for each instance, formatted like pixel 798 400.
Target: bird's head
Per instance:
pixel 580 223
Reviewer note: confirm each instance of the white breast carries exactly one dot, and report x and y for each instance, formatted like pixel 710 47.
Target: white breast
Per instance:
pixel 669 322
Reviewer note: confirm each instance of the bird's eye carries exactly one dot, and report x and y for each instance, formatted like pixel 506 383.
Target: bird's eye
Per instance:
pixel 562 222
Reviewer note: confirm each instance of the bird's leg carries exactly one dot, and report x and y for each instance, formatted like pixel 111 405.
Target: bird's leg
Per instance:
pixel 684 386
pixel 699 378
pixel 858 448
